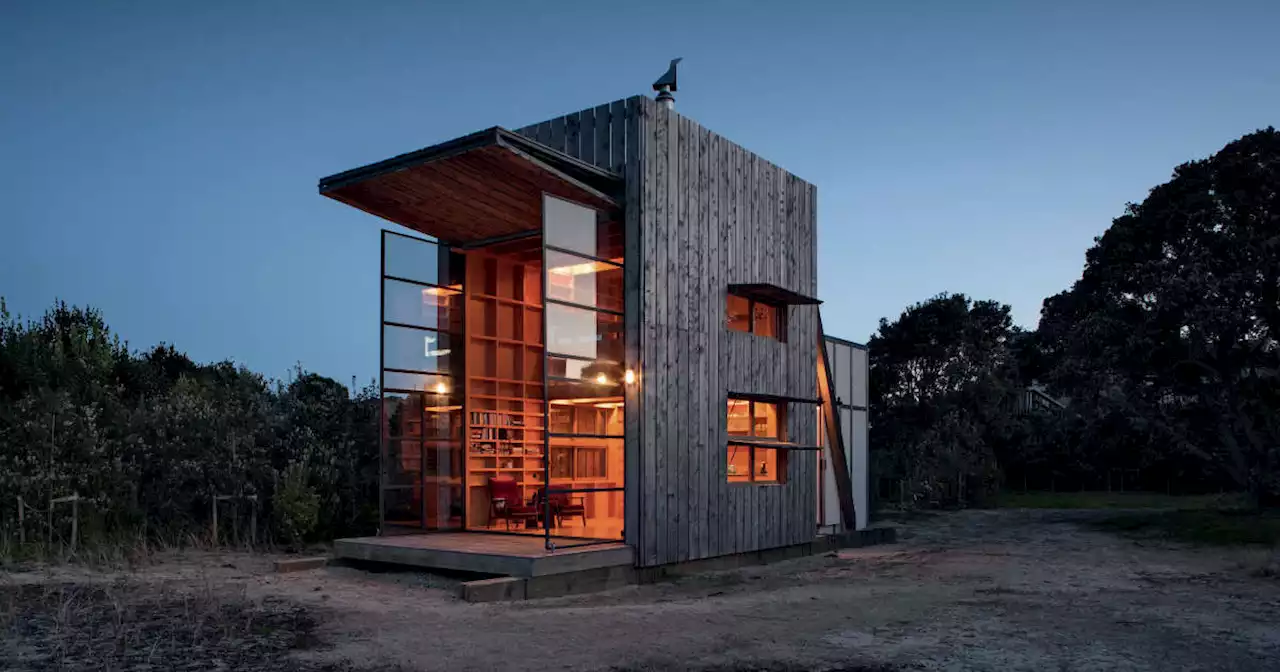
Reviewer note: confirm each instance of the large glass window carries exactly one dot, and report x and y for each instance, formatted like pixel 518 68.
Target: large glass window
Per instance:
pixel 585 370
pixel 417 382
pixel 419 260
pixel 756 421
pixel 421 305
pixel 584 281
pixel 574 228
pixel 584 333
pixel 421 429
pixel 421 350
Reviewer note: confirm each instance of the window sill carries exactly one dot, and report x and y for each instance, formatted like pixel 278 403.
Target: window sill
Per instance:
pixel 775 339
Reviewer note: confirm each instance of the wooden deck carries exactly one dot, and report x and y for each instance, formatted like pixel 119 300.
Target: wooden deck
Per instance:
pixel 498 554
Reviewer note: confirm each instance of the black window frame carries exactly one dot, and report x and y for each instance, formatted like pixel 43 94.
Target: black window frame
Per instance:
pixel 751 441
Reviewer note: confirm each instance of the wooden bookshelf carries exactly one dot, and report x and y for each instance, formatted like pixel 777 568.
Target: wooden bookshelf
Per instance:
pixel 503 409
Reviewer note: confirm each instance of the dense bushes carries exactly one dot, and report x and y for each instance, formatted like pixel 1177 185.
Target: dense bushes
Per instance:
pixel 147 439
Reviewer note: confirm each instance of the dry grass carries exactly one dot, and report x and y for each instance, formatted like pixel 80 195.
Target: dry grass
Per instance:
pixel 123 625
pixel 1116 500
pixel 1227 527
pixel 972 590
pixel 764 667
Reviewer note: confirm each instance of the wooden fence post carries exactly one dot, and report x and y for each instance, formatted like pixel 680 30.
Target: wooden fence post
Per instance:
pixel 75 517
pixel 75 520
pixel 253 520
pixel 213 533
pixel 22 519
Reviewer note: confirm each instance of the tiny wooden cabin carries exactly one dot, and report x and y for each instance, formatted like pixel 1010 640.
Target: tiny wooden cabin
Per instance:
pixel 613 337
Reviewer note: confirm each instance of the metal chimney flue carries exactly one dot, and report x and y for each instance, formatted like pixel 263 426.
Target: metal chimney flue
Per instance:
pixel 666 85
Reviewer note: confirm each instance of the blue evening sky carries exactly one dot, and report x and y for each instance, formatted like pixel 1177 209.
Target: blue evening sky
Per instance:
pixel 158 160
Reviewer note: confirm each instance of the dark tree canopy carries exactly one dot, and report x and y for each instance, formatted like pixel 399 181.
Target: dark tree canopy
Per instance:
pixel 1166 348
pixel 147 438
pixel 1176 317
pixel 939 376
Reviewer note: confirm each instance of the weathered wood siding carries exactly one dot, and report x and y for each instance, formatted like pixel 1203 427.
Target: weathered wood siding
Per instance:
pixel 703 213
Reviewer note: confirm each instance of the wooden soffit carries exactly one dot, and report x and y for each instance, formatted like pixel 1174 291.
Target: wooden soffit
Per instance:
pixel 475 188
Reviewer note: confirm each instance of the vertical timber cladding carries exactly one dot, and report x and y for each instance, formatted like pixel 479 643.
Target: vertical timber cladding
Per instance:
pixel 703 213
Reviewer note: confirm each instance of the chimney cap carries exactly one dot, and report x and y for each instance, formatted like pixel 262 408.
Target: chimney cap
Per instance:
pixel 667 83
pixel 668 79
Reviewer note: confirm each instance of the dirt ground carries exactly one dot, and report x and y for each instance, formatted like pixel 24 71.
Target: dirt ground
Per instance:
pixel 973 590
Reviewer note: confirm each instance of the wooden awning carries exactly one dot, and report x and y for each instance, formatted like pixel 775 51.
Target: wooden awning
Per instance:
pixel 772 294
pixel 479 187
pixel 769 443
pixel 773 398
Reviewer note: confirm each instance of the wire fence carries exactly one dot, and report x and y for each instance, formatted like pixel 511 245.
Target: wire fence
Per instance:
pixel 59 526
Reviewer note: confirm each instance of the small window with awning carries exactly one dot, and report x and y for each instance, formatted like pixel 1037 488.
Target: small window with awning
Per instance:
pixel 761 309
pixel 758 447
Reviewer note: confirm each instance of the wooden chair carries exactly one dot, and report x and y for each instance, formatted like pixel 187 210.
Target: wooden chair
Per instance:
pixel 505 503
pixel 564 505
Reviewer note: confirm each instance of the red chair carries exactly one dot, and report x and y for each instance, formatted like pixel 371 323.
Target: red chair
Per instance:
pixel 563 505
pixel 505 503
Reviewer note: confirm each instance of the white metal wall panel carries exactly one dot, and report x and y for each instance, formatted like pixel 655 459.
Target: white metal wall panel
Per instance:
pixel 858 384
pixel 849 386
pixel 829 502
pixel 844 375
pixel 859 457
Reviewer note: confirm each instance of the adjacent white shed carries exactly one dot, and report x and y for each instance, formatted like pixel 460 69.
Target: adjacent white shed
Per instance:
pixel 848 362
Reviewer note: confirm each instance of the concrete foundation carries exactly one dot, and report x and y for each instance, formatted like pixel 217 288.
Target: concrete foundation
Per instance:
pixel 606 578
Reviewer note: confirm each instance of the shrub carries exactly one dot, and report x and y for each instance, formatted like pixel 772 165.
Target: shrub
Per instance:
pixel 296 508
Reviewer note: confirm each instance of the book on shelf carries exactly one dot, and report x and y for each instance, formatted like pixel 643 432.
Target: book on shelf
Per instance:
pixel 506 419
pixel 493 434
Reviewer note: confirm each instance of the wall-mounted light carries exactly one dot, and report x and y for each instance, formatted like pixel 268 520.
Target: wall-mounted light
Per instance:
pixel 629 377
pixel 441 388
pixel 602 379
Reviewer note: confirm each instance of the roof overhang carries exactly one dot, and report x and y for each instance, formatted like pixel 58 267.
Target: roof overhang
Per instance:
pixel 772 294
pixel 483 186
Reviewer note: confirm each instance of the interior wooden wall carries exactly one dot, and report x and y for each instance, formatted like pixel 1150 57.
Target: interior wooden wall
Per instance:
pixel 703 213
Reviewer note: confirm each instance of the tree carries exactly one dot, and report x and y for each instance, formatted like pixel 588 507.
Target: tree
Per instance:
pixel 1174 323
pixel 148 439
pixel 940 376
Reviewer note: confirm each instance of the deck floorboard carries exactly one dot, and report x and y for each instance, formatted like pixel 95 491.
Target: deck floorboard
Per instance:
pixel 497 554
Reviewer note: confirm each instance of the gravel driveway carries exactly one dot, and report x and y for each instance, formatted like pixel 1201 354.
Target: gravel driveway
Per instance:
pixel 973 590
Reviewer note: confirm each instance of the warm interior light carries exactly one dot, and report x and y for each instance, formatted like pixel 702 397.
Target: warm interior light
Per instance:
pixel 443 291
pixel 602 379
pixel 629 377
pixel 583 268
pixel 610 404
pixel 441 388
pixel 591 400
